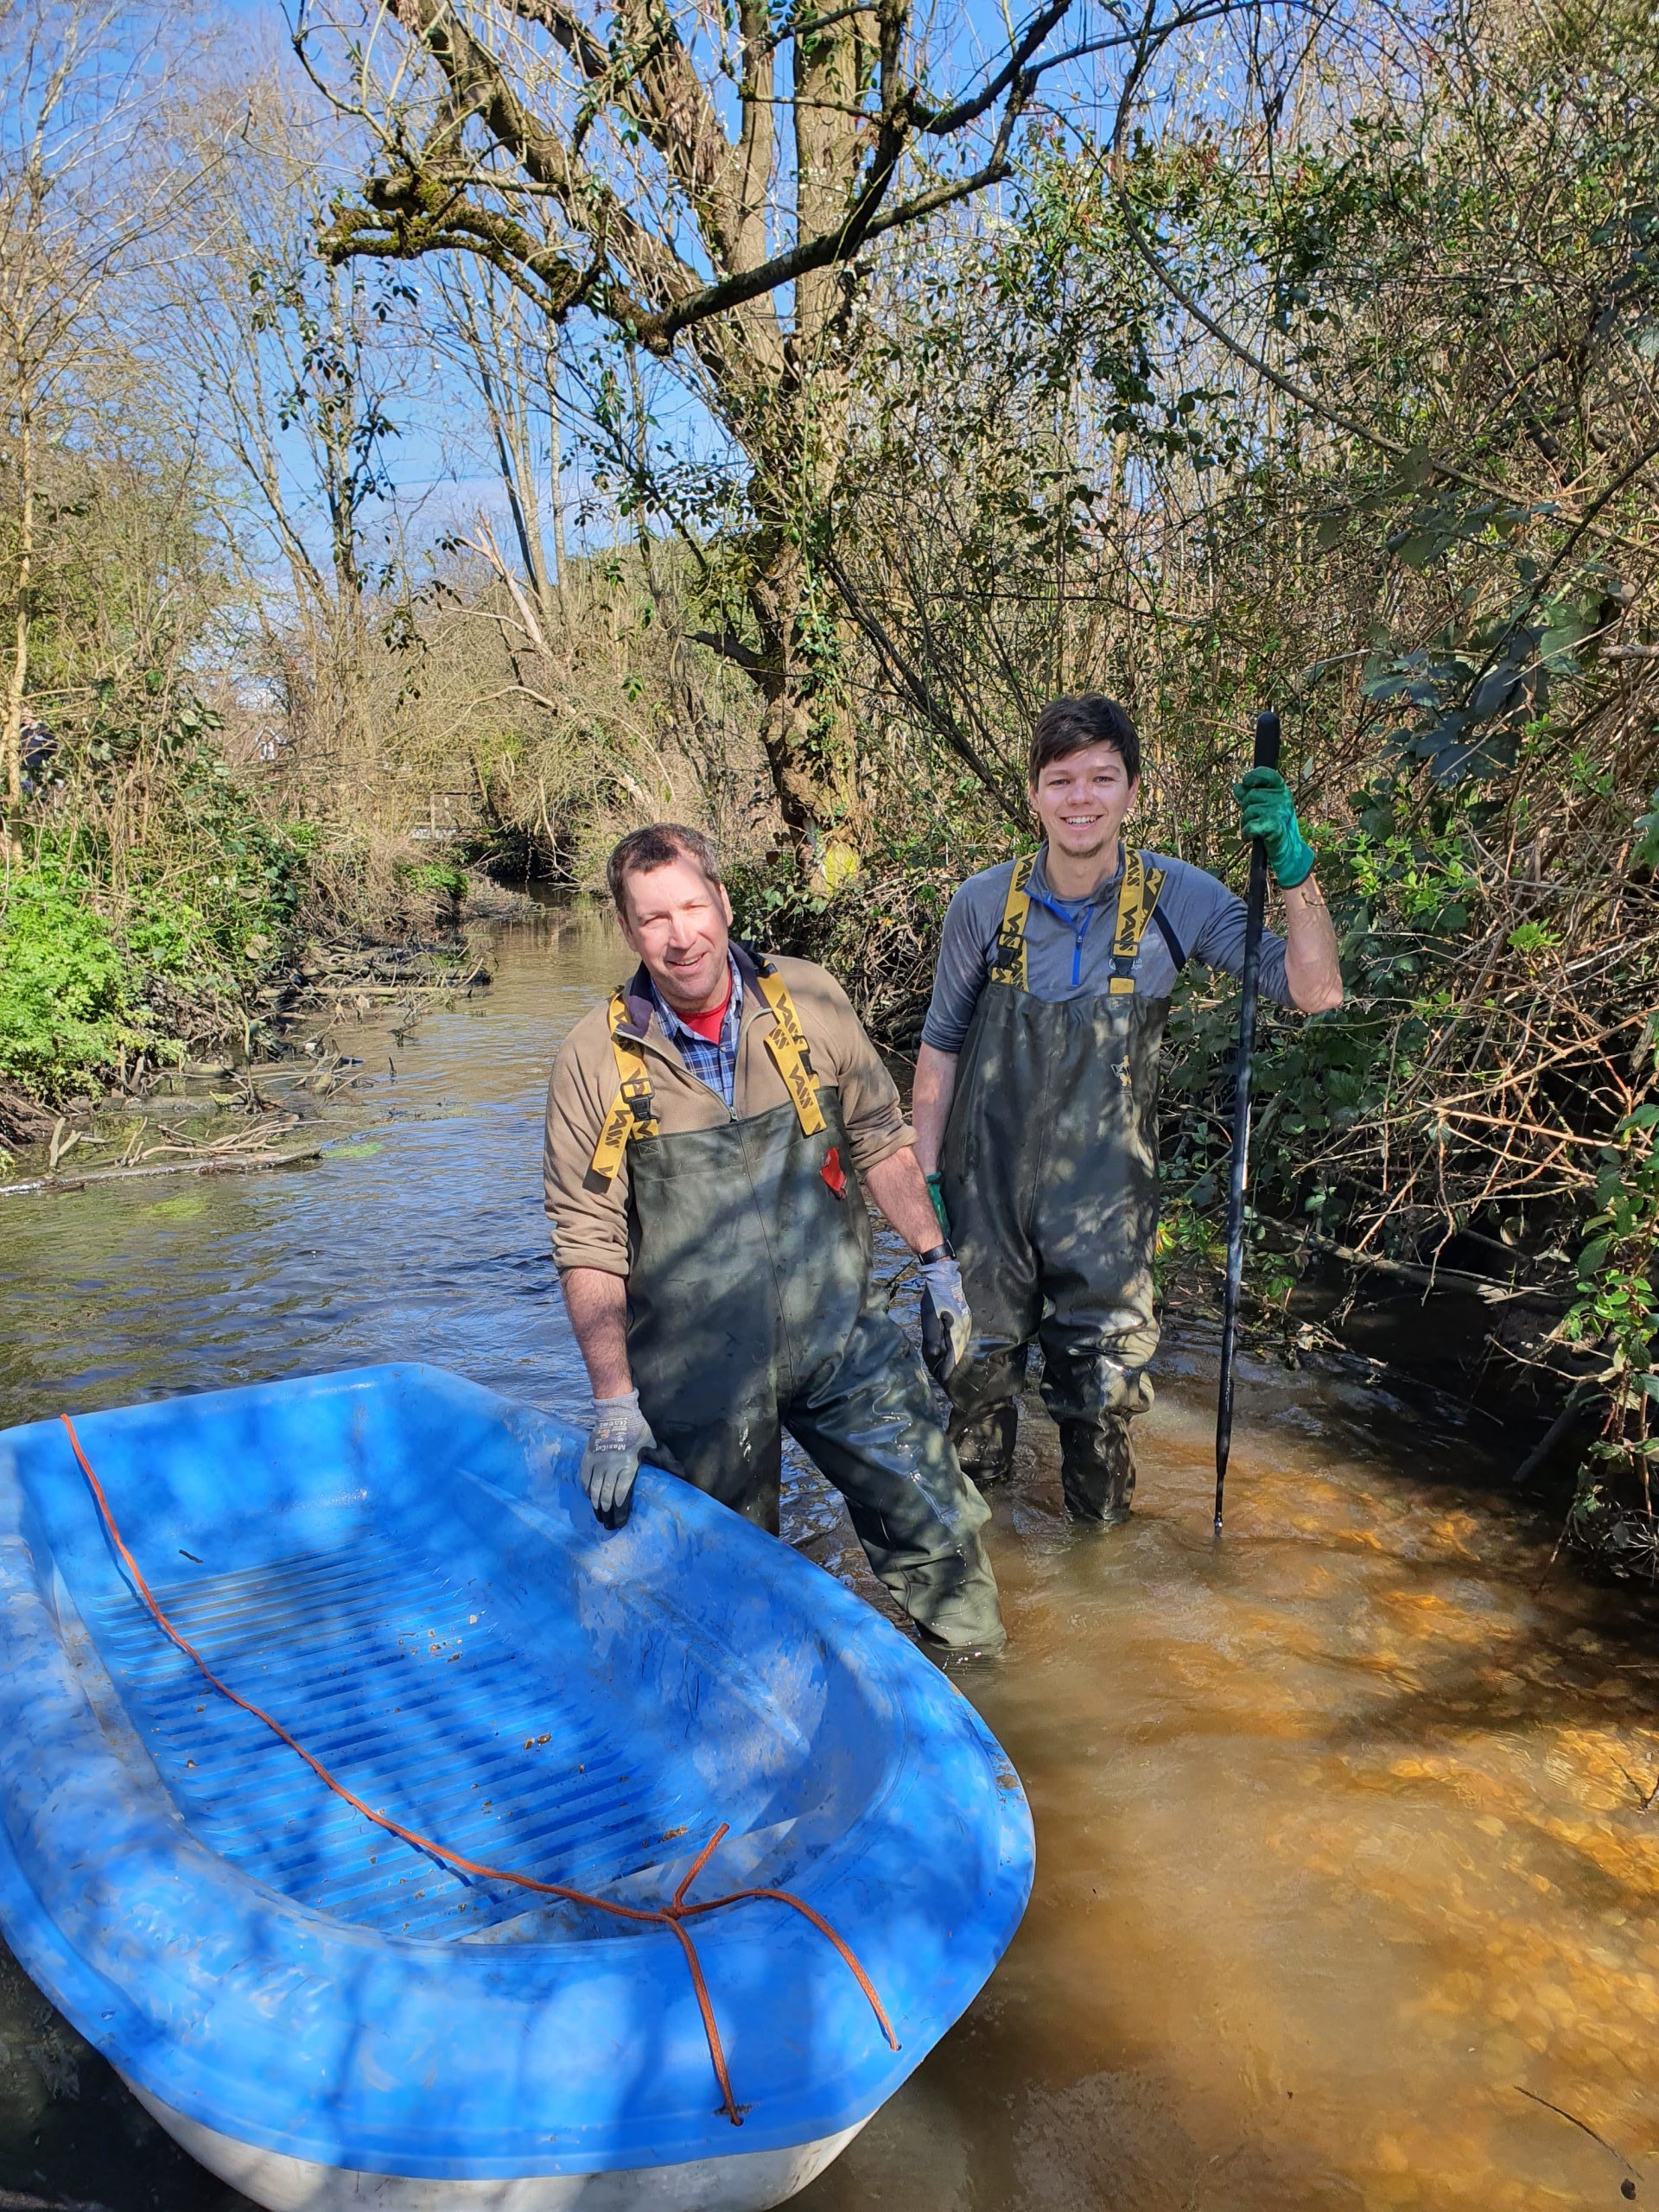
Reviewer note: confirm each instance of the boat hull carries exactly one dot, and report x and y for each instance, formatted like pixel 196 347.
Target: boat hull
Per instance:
pixel 402 1572
pixel 749 2181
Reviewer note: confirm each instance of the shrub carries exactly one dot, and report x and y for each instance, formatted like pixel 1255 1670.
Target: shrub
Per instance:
pixel 65 1004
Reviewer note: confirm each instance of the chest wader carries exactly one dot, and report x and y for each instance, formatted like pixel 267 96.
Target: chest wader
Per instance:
pixel 750 1312
pixel 1050 1170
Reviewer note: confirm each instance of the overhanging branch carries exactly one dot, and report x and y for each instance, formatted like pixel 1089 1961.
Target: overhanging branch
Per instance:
pixel 657 332
pixel 943 123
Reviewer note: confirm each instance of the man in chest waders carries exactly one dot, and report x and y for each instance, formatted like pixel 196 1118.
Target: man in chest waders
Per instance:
pixel 1036 1093
pixel 710 1132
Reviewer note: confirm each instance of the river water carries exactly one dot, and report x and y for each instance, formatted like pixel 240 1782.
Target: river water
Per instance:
pixel 1345 1882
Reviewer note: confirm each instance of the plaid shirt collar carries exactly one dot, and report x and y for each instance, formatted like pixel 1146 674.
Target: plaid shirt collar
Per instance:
pixel 714 1063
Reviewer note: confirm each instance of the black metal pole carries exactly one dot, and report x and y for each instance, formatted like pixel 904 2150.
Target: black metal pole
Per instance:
pixel 1267 756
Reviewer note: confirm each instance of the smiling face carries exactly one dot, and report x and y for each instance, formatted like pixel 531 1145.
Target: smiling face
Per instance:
pixel 679 923
pixel 1081 802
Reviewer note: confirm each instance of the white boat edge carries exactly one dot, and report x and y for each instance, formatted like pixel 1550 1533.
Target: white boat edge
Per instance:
pixel 749 2181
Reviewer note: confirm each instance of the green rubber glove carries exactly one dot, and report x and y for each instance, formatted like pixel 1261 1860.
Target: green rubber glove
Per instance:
pixel 936 1192
pixel 1269 812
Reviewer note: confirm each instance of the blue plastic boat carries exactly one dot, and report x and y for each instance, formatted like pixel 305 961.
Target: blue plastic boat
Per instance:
pixel 401 1569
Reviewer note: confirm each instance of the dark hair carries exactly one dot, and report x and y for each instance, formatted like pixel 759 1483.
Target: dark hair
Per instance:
pixel 658 845
pixel 1066 725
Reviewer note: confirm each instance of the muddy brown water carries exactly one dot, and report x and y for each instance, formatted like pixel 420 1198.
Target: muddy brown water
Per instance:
pixel 1344 1878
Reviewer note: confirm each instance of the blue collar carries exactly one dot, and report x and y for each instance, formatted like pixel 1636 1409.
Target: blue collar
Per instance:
pixel 1037 887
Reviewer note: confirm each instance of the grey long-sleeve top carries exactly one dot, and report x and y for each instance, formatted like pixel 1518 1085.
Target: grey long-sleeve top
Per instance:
pixel 1068 943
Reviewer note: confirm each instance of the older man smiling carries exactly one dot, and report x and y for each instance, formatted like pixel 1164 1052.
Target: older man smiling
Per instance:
pixel 711 1131
pixel 1036 1090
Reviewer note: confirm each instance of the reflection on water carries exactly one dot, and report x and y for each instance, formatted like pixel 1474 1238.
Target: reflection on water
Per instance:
pixel 1342 1846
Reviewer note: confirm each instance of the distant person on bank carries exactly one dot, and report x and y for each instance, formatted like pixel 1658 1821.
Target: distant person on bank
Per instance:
pixel 1036 1095
pixel 711 1131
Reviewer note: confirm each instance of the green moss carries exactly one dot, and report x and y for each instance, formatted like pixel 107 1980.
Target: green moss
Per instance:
pixel 441 877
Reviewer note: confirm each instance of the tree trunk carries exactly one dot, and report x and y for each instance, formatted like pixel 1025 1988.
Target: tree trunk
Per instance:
pixel 17 680
pixel 795 433
pixel 774 599
pixel 805 731
pixel 556 463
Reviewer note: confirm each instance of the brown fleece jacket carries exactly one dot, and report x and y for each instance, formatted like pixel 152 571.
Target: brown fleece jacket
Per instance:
pixel 589 1217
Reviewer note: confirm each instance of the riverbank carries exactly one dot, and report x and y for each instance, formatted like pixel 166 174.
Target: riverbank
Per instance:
pixel 124 1015
pixel 237 1114
pixel 174 910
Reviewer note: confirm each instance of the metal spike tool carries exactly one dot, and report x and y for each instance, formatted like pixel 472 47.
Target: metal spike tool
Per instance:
pixel 1267 756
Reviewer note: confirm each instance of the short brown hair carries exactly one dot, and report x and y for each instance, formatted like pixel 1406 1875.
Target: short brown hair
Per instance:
pixel 658 845
pixel 1066 725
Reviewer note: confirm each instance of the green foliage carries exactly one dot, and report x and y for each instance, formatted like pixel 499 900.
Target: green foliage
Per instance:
pixel 66 996
pixel 89 979
pixel 108 950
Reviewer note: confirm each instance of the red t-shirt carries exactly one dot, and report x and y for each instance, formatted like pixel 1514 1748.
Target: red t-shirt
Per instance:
pixel 708 1024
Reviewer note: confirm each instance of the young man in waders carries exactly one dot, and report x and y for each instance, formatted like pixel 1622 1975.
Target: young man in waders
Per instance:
pixel 1036 1094
pixel 711 1131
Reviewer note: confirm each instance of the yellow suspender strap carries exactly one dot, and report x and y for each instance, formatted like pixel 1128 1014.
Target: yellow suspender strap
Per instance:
pixel 630 1114
pixel 1135 901
pixel 1008 954
pixel 786 1042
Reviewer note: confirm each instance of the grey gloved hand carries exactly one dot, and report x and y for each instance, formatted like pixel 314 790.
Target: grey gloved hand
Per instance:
pixel 946 1323
pixel 611 1462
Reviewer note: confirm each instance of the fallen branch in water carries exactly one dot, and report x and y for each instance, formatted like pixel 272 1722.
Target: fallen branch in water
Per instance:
pixel 1577 1398
pixel 1644 1798
pixel 202 1163
pixel 242 1140
pixel 13 2200
pixel 64 1140
pixel 1561 2113
pixel 1488 1288
pixel 349 989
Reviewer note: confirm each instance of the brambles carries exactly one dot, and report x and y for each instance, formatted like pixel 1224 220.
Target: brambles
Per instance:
pixel 1613 1324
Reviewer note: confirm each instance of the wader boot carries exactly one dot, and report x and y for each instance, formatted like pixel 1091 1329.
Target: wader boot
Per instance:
pixel 1049 1170
pixel 985 1445
pixel 750 1312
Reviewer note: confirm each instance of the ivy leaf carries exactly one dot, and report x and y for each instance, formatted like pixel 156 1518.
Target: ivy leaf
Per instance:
pixel 1497 690
pixel 1420 547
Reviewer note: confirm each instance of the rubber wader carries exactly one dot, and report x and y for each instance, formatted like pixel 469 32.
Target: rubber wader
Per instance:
pixel 1050 1170
pixel 750 1312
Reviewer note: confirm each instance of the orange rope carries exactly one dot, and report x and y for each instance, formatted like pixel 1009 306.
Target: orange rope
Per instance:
pixel 669 1915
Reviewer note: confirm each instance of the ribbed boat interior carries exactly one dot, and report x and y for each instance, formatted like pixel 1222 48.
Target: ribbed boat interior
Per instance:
pixel 417 1687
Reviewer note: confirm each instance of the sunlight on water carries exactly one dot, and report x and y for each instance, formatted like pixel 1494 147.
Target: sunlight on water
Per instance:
pixel 1341 1851
pixel 1345 1877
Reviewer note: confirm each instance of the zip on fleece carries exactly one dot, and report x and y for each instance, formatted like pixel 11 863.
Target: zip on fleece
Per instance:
pixel 1078 927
